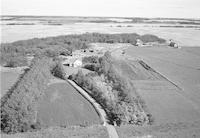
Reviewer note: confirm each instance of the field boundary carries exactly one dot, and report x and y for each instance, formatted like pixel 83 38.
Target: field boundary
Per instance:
pixel 143 62
pixel 110 128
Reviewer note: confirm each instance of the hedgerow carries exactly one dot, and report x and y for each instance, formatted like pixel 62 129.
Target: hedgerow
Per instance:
pixel 19 104
pixel 57 70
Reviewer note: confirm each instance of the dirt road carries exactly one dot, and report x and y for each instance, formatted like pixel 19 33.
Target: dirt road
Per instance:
pixel 111 129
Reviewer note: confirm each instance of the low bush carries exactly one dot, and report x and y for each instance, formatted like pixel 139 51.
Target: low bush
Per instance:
pixel 57 70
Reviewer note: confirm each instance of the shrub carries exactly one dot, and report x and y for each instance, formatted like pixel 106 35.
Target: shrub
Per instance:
pixel 13 60
pixel 91 67
pixel 65 52
pixel 51 53
pixel 58 70
pixel 90 59
pixel 151 119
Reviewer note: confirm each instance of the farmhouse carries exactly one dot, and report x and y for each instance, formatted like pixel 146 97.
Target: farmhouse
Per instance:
pixel 73 62
pixel 173 44
pixel 139 42
pixel 77 63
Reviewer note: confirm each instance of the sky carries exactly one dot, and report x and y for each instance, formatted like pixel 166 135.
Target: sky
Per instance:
pixel 110 8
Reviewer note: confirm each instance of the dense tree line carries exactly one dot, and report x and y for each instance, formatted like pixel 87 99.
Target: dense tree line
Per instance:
pixel 19 104
pixel 127 107
pixel 16 52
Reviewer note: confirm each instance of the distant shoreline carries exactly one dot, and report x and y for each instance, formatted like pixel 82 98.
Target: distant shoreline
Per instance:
pixel 185 31
pixel 128 17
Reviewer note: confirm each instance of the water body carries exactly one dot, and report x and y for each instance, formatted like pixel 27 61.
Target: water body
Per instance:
pixel 183 36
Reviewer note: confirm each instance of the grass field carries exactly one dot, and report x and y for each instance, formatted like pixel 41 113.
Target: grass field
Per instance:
pixel 62 105
pixel 163 99
pixel 181 66
pixel 69 132
pixel 173 130
pixel 172 100
pixel 8 79
pixel 165 102
pixel 168 80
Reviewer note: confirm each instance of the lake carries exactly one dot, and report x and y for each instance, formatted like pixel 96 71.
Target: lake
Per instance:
pixel 183 36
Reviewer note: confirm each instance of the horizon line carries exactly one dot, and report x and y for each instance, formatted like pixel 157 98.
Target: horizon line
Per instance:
pixel 101 16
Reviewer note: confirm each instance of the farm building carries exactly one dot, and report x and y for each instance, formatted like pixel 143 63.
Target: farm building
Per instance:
pixel 73 62
pixel 77 63
pixel 139 42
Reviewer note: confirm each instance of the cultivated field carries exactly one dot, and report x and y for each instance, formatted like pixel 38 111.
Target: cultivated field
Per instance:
pixel 62 105
pixel 172 100
pixel 180 66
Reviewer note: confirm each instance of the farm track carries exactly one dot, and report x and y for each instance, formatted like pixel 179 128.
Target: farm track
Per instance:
pixel 111 129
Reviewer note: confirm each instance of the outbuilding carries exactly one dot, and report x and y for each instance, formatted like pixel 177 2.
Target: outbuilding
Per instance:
pixel 173 44
pixel 77 63
pixel 139 42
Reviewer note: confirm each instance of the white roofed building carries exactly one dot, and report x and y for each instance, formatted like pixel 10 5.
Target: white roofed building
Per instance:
pixel 77 63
